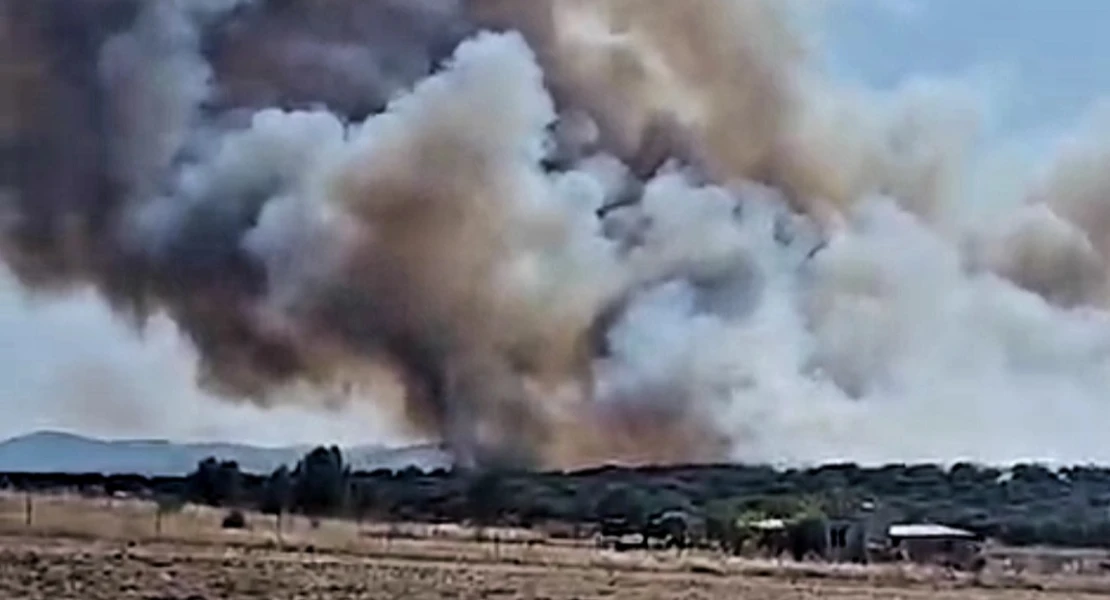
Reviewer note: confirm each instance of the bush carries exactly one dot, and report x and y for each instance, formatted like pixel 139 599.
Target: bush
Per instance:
pixel 234 520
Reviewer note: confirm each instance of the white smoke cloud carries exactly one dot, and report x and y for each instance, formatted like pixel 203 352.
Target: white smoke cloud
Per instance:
pixel 882 348
pixel 74 366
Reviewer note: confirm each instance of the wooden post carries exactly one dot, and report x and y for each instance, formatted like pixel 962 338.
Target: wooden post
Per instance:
pixel 389 534
pixel 28 508
pixel 277 520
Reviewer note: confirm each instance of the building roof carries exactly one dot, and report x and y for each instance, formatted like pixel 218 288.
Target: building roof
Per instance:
pixel 925 530
pixel 768 524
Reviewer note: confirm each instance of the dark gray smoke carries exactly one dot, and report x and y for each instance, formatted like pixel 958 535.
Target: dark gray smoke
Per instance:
pixel 119 91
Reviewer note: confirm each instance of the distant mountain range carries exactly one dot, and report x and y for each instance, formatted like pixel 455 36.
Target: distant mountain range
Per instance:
pixel 55 452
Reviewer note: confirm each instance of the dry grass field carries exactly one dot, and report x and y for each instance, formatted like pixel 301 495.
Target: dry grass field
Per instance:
pixel 95 549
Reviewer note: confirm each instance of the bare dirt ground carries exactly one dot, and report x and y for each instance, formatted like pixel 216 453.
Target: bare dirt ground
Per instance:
pixel 87 550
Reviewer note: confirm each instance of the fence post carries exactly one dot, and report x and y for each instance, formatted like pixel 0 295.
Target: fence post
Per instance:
pixel 28 507
pixel 279 538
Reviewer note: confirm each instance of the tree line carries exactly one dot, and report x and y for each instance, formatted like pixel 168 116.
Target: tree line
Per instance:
pixel 1025 505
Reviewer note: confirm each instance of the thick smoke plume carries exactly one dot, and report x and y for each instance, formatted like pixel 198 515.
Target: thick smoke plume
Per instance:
pixel 558 232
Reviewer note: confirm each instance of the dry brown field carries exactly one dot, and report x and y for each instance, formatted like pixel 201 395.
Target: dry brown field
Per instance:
pixel 96 549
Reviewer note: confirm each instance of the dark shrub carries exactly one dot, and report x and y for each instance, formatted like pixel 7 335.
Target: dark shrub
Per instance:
pixel 234 520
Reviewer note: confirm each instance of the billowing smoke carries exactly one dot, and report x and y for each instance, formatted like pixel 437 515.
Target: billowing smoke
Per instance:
pixel 559 233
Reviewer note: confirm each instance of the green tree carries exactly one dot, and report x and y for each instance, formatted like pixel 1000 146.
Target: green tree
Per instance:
pixel 363 500
pixel 277 492
pixel 215 483
pixel 484 497
pixel 320 487
pixel 622 506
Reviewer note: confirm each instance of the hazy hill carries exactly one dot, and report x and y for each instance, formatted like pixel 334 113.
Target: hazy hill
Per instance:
pixel 54 452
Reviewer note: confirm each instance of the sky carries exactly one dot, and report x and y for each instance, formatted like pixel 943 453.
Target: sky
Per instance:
pixel 1053 55
pixel 69 363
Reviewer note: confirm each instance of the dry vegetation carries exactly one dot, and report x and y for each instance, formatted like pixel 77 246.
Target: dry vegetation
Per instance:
pixel 91 549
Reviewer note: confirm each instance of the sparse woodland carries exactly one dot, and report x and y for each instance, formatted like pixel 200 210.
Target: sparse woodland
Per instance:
pixel 1025 505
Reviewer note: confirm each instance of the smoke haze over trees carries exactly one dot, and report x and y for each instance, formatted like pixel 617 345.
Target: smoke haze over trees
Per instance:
pixel 559 234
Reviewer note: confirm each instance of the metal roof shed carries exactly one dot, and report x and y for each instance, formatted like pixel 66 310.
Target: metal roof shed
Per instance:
pixel 928 531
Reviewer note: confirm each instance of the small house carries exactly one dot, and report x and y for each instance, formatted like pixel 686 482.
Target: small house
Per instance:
pixel 854 537
pixel 845 540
